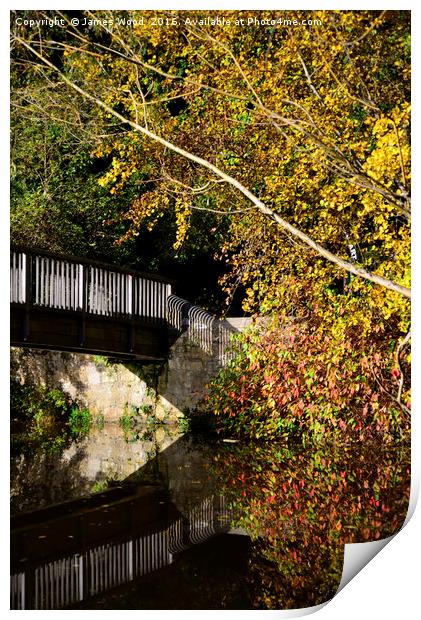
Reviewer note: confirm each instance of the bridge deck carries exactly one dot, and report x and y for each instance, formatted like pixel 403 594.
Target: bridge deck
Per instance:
pixel 72 304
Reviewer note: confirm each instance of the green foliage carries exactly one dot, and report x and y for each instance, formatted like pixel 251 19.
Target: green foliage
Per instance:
pixel 128 419
pixel 99 421
pixel 54 188
pixel 101 485
pixel 80 421
pixel 101 360
pixel 44 419
pixel 139 423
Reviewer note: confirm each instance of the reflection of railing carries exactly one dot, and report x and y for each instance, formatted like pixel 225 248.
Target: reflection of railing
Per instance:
pixel 59 583
pixel 17 591
pixel 202 524
pixel 205 330
pixel 66 581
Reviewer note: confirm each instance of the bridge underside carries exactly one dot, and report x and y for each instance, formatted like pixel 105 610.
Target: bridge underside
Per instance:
pixel 45 328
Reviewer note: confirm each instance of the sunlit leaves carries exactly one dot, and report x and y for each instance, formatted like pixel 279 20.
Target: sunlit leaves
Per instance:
pixel 323 376
pixel 315 121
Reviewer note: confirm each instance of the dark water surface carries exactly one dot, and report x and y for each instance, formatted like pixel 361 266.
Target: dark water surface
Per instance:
pixel 165 521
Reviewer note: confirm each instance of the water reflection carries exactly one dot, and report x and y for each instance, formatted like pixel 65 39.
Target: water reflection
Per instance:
pixel 169 523
pixel 302 506
pixel 109 454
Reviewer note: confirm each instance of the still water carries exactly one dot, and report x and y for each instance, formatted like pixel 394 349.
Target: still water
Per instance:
pixel 160 520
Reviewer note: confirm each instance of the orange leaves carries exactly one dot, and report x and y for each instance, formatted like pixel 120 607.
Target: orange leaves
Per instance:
pixel 269 380
pixel 301 504
pixel 395 372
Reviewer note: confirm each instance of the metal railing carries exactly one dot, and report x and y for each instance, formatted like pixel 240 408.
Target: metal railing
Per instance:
pixel 208 332
pixel 73 578
pixel 45 280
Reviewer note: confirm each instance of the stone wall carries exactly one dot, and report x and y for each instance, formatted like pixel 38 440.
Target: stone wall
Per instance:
pixel 113 389
pixel 183 378
pixel 104 389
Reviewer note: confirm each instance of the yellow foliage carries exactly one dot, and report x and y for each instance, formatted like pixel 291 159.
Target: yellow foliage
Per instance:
pixel 313 119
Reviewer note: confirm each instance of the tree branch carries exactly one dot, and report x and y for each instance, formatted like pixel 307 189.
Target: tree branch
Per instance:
pixel 264 209
pixel 335 157
pixel 310 83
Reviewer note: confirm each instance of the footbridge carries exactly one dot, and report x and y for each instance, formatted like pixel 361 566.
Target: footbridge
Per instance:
pixel 66 303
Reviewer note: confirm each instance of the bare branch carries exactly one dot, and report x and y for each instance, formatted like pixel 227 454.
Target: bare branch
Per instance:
pixel 395 399
pixel 194 190
pixel 375 23
pixel 310 83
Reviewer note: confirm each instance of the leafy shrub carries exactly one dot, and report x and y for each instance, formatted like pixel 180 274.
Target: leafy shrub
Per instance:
pixel 317 377
pixel 44 419
pixel 80 421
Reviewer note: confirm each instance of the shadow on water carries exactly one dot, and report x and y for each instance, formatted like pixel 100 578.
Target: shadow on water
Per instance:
pixel 210 525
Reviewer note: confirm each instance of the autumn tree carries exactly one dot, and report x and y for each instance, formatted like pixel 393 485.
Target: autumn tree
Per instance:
pixel 299 135
pixel 58 198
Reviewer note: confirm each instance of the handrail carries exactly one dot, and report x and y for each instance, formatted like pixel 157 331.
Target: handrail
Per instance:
pixel 208 332
pixel 71 258
pixel 43 279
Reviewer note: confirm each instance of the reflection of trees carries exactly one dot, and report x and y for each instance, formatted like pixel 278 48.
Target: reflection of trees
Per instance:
pixel 300 508
pixel 41 479
pixel 41 429
pixel 282 578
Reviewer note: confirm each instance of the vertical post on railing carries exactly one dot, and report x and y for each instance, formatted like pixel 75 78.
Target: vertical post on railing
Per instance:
pixel 28 296
pixel 167 309
pixel 29 587
pixel 130 563
pixel 22 594
pixel 132 310
pixel 83 302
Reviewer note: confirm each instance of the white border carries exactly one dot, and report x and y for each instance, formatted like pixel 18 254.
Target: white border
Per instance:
pixel 388 587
